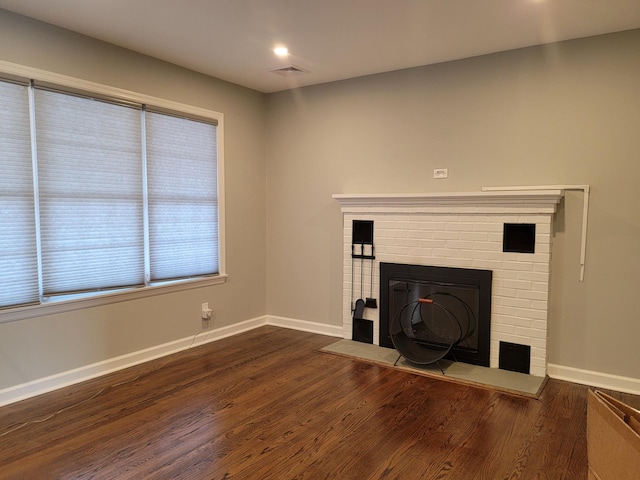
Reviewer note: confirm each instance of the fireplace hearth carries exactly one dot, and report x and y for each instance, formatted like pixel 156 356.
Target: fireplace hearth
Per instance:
pixel 430 312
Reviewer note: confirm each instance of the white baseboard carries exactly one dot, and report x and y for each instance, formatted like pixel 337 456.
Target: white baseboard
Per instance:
pixel 594 379
pixel 43 385
pixel 59 380
pixel 303 325
pixel 64 379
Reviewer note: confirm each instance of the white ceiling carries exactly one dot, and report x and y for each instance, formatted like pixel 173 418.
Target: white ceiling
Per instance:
pixel 333 39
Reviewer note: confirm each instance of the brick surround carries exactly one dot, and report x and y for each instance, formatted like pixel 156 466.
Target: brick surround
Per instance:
pixel 463 230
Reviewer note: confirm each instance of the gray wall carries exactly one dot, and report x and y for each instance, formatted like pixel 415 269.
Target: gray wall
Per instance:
pixel 567 113
pixel 37 347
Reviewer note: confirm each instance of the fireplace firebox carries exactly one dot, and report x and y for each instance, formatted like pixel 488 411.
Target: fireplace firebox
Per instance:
pixel 446 311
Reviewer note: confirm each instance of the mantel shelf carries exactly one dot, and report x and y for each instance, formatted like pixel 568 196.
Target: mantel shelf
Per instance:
pixel 542 201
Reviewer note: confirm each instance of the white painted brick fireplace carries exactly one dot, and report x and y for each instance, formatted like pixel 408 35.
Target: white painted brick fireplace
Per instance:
pixel 462 230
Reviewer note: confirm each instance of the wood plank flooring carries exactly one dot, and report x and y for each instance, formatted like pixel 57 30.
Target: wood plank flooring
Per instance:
pixel 267 404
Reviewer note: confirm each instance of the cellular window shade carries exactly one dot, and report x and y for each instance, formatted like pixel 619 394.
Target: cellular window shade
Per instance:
pixel 183 197
pixel 90 192
pixel 18 248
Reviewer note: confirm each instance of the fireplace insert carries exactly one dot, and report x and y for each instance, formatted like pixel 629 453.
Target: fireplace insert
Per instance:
pixel 429 312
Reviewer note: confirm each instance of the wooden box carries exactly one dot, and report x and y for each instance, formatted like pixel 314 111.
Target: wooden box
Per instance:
pixel 613 438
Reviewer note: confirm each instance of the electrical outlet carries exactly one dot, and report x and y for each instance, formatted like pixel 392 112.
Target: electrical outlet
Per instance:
pixel 440 172
pixel 206 311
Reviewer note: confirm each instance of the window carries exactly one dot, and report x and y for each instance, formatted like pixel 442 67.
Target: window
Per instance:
pixel 182 201
pixel 89 181
pixel 102 194
pixel 18 258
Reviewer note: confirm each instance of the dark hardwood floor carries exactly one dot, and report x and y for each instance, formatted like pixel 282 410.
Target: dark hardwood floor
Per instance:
pixel 267 404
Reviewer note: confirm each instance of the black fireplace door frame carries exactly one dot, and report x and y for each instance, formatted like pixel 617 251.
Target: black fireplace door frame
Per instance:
pixel 465 277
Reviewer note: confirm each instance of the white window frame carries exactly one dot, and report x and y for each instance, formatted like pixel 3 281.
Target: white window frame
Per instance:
pixel 94 299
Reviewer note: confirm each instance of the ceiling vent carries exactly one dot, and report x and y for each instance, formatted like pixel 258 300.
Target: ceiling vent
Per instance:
pixel 289 71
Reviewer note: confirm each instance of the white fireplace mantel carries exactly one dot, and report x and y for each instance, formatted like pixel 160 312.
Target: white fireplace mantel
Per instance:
pixel 525 201
pixel 461 230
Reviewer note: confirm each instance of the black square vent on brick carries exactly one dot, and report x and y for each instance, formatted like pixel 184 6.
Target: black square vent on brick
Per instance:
pixel 519 237
pixel 515 357
pixel 362 330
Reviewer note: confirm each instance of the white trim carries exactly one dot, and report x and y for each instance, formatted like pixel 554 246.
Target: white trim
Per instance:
pixel 64 379
pixel 305 326
pixel 594 379
pixel 39 386
pixel 539 201
pixel 229 331
pixel 13 314
pixel 79 84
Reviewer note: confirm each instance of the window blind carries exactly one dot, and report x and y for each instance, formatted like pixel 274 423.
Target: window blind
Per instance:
pixel 90 192
pixel 182 196
pixel 98 195
pixel 18 248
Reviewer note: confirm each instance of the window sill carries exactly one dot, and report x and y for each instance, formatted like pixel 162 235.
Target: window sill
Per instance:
pixel 96 300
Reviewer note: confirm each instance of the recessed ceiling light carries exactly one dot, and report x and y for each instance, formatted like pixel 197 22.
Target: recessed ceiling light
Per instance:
pixel 281 51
